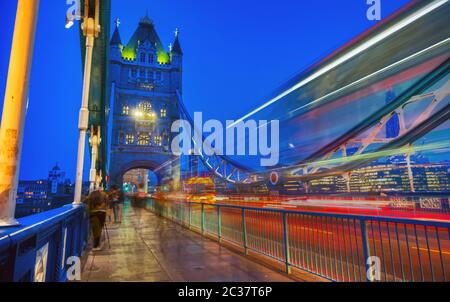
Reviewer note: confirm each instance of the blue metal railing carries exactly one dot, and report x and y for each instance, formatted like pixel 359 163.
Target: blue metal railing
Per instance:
pixel 38 249
pixel 335 246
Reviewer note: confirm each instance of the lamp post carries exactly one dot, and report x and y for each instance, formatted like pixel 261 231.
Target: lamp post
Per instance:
pixel 15 107
pixel 91 29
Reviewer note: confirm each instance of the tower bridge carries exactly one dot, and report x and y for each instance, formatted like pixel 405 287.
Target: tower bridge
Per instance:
pixel 373 106
pixel 146 79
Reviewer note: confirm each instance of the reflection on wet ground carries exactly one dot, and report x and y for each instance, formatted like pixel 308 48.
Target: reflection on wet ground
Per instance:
pixel 146 247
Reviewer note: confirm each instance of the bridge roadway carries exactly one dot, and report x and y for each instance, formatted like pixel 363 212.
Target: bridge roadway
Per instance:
pixel 146 247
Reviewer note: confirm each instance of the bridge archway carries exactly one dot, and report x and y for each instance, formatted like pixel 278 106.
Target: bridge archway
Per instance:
pixel 140 180
pixel 117 177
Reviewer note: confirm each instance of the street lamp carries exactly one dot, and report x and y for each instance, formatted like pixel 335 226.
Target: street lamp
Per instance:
pixel 69 23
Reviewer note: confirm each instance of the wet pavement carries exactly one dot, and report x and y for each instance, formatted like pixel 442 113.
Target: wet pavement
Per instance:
pixel 146 247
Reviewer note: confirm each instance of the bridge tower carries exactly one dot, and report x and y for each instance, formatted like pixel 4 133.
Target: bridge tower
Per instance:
pixel 145 82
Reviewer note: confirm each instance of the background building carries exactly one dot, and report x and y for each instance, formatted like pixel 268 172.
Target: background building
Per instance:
pixel 36 196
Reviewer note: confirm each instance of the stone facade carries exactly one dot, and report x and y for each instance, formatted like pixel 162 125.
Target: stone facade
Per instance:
pixel 146 81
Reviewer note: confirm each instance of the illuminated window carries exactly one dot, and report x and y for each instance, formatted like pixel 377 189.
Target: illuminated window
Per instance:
pixel 126 110
pixel 143 139
pixel 158 140
pixel 129 139
pixel 145 107
pixel 163 112
pixel 143 57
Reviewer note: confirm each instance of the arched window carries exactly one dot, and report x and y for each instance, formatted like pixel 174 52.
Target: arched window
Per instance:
pixel 163 112
pixel 143 57
pixel 143 139
pixel 145 107
pixel 150 58
pixel 129 139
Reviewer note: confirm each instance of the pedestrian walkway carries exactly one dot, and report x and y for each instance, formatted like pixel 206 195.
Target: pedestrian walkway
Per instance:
pixel 146 247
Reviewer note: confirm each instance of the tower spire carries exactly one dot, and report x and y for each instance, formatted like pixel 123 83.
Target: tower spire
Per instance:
pixel 176 48
pixel 146 19
pixel 115 40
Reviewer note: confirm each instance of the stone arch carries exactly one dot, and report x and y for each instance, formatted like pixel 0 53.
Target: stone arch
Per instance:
pixel 118 173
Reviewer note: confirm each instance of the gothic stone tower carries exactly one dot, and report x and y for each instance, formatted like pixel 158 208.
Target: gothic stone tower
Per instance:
pixel 145 81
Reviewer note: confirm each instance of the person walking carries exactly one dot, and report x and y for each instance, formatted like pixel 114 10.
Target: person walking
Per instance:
pixel 117 199
pixel 97 206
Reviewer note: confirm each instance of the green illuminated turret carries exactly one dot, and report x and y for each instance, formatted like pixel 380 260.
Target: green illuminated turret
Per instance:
pixel 145 33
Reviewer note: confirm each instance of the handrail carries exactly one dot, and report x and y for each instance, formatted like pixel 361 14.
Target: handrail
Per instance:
pixel 427 222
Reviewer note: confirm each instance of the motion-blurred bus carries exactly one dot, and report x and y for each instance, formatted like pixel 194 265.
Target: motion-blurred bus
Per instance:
pixel 200 189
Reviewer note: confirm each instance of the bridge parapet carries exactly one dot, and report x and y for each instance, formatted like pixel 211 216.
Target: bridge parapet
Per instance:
pixel 39 248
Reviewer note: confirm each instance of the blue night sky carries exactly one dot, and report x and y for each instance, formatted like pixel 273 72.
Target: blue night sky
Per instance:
pixel 236 53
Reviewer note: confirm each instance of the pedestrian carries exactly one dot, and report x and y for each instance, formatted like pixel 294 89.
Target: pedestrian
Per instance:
pixel 109 207
pixel 97 206
pixel 140 197
pixel 117 199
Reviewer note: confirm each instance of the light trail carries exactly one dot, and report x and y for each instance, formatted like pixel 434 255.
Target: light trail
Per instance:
pixel 393 65
pixel 383 35
pixel 374 74
pixel 377 154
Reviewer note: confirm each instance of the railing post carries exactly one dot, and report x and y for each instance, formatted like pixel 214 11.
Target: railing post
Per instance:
pixel 244 231
pixel 219 225
pixel 203 218
pixel 366 247
pixel 286 243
